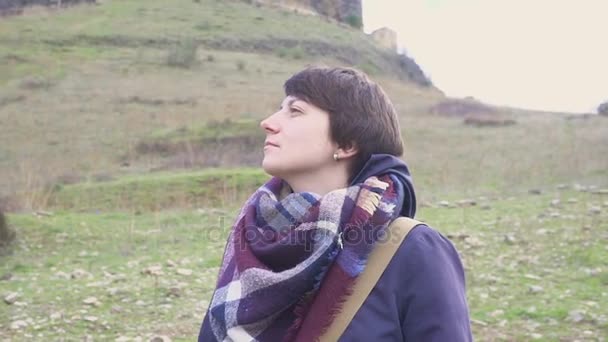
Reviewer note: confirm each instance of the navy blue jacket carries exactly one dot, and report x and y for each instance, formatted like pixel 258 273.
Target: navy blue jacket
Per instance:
pixel 419 297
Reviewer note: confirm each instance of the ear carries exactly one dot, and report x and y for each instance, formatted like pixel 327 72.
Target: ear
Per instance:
pixel 348 151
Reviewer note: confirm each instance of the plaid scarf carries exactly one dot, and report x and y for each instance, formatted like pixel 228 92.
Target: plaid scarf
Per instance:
pixel 292 258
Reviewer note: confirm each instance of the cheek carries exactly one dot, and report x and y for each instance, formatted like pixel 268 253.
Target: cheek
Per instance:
pixel 314 152
pixel 314 136
pixel 321 147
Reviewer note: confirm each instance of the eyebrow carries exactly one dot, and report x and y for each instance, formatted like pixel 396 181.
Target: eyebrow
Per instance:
pixel 293 100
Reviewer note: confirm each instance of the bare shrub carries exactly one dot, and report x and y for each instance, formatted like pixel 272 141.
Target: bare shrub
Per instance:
pixel 460 107
pixel 35 83
pixel 36 185
pixel 7 235
pixel 68 178
pixel 6 100
pixel 9 204
pixel 603 109
pixel 488 121
pixel 183 54
pixel 103 177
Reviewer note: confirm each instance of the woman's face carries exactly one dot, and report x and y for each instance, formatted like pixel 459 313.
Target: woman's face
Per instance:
pixel 297 139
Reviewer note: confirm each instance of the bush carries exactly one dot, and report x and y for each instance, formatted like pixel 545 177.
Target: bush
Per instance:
pixel 354 21
pixel 484 120
pixel 7 235
pixel 183 54
pixel 35 83
pixel 296 52
pixel 603 109
pixel 369 68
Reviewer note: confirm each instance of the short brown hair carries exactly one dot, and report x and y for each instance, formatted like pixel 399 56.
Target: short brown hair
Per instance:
pixel 360 112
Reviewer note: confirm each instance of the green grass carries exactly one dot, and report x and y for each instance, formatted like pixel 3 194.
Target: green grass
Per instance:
pixel 211 131
pixel 113 249
pixel 157 191
pixel 89 32
pixel 565 255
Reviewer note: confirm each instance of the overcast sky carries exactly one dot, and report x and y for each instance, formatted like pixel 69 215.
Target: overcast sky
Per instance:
pixel 539 54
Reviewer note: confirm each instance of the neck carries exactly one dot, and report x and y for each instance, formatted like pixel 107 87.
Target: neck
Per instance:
pixel 320 182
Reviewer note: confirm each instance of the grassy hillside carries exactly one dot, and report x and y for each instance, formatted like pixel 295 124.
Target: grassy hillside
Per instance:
pixel 81 87
pixel 130 130
pixel 111 29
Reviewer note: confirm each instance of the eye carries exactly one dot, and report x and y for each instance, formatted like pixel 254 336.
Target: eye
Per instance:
pixel 295 110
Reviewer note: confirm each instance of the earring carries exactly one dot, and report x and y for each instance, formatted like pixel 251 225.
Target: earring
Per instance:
pixel 336 157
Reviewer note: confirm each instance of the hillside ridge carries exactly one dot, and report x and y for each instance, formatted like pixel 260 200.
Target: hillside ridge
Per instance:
pixel 346 11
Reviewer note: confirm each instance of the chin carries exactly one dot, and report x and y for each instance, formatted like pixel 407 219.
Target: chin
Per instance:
pixel 276 167
pixel 270 168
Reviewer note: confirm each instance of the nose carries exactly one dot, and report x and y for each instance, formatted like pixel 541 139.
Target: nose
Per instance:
pixel 270 125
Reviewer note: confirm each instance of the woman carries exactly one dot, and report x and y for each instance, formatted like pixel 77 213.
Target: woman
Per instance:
pixel 302 239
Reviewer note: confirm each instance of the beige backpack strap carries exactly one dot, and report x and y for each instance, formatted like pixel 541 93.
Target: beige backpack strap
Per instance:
pixel 376 264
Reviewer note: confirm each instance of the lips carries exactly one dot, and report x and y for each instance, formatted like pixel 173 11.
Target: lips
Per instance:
pixel 270 143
